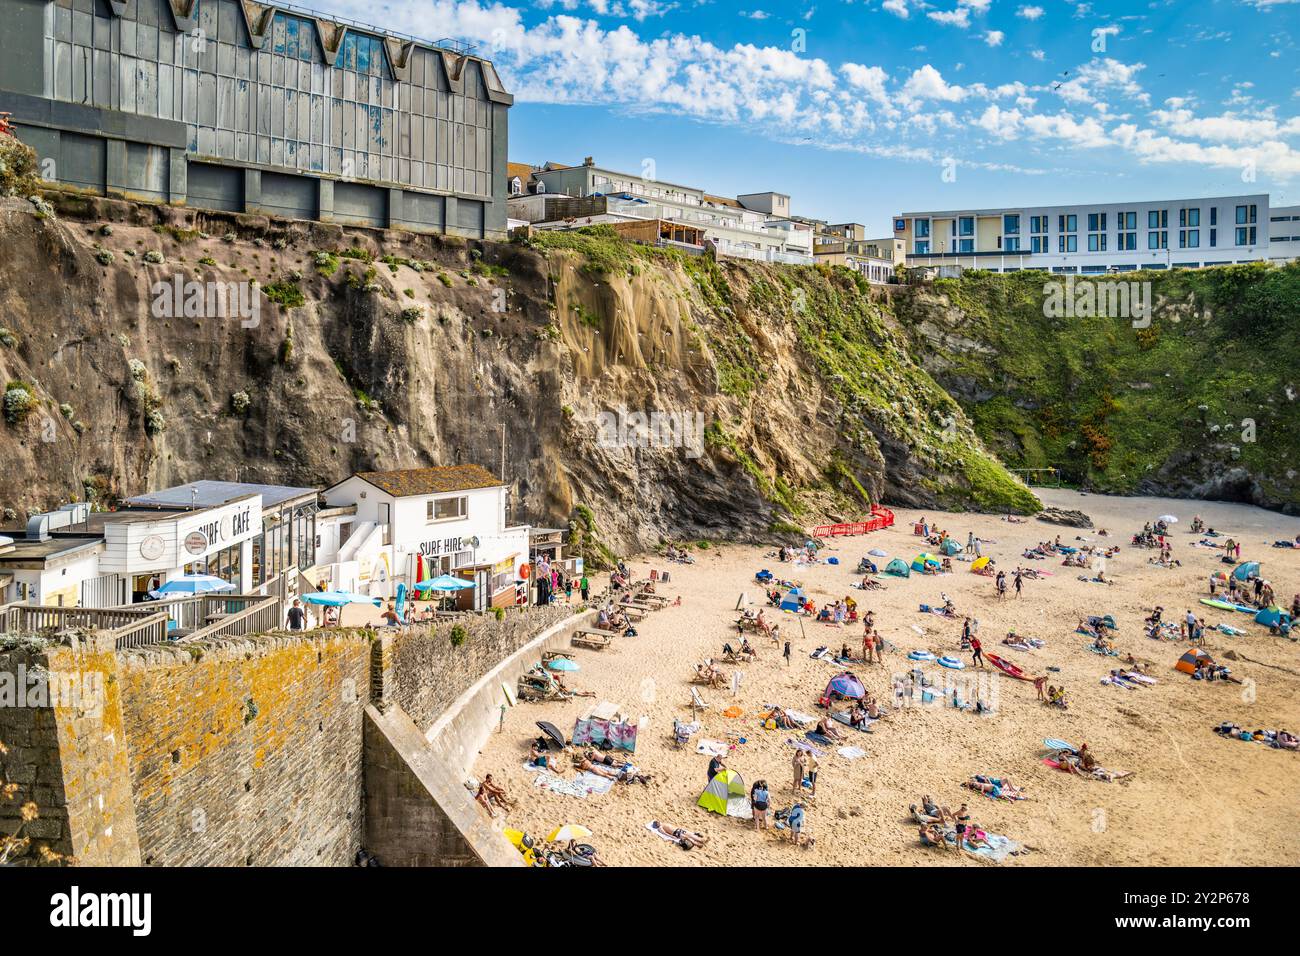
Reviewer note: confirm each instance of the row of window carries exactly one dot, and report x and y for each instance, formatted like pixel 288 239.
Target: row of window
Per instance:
pixel 1189 233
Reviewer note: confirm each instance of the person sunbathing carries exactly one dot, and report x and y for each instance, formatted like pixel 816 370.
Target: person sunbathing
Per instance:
pixel 826 730
pixel 995 787
pixel 686 839
pixel 599 769
pixel 1286 741
pixel 783 720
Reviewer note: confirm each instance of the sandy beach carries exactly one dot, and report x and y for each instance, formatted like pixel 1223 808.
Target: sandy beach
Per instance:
pixel 1194 799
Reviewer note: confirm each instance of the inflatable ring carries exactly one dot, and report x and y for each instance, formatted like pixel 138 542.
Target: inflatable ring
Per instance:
pixel 952 662
pixel 920 656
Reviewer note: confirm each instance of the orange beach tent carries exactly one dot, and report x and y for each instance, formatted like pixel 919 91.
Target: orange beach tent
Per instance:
pixel 1187 663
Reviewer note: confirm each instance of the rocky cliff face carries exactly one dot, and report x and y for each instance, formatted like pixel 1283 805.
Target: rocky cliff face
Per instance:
pixel 772 396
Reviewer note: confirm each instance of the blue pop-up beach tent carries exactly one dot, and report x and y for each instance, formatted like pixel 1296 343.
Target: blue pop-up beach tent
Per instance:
pixel 1246 570
pixel 1272 616
pixel 899 568
pixel 793 600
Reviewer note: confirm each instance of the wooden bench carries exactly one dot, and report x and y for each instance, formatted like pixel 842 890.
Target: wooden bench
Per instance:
pixel 591 641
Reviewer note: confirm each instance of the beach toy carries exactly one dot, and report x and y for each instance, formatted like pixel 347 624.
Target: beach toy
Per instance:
pixel 951 662
pixel 1006 667
pixel 920 656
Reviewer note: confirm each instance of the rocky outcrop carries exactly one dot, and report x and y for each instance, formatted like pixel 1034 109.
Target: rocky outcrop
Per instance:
pixel 1065 516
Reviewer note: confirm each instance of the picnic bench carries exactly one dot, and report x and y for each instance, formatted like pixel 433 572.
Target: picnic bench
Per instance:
pixel 588 640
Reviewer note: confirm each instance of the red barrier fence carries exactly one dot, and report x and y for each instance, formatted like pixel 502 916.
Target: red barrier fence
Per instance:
pixel 880 518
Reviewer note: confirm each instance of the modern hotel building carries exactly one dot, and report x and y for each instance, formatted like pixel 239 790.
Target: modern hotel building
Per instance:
pixel 1102 237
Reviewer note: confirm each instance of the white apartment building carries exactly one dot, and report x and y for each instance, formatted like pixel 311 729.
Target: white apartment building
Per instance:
pixel 1284 234
pixel 401 527
pixel 753 226
pixel 1095 238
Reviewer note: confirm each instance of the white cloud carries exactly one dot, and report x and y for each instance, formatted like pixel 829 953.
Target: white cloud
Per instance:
pixel 1038 55
pixel 897 7
pixel 953 18
pixel 994 37
pixel 927 83
pixel 1029 13
pixel 1100 75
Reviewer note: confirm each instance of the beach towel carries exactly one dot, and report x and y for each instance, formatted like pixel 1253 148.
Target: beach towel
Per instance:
pixel 801 719
pixel 580 786
pixel 1097 650
pixel 999 848
pixel 843 718
pixel 713 748
pixel 851 753
pixel 818 738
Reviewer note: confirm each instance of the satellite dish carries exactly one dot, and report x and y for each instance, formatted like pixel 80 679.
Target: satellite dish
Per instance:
pixel 474 542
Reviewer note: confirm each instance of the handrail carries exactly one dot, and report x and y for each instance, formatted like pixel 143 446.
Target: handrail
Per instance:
pixel 881 517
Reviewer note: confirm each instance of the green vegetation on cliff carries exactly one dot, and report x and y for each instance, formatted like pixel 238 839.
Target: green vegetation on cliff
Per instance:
pixel 1203 398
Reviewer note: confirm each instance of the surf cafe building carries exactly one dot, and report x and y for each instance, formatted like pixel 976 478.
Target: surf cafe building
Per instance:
pixel 409 525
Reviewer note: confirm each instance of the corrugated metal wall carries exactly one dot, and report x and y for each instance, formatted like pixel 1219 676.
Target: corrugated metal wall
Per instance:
pixel 280 106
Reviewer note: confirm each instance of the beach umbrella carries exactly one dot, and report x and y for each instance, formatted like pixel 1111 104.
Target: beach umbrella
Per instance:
pixel 1168 519
pixel 562 664
pixel 193 584
pixel 1052 743
pixel 552 733
pixel 339 598
pixel 570 831
pixel 444 582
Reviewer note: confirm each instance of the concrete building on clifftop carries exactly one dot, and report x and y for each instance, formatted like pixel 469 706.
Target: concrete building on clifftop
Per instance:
pixel 263 108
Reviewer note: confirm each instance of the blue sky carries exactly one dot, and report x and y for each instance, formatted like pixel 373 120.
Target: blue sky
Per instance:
pixel 863 108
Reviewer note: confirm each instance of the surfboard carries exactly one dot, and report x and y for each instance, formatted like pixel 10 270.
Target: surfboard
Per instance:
pixel 1221 605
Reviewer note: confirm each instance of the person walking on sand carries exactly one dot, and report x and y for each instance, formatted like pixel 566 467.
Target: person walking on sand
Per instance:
pixel 1018 582
pixel 799 763
pixel 970 542
pixel 866 643
pixel 813 764
pixel 786 654
pixel 1039 682
pixel 977 653
pixel 585 587
pixel 878 643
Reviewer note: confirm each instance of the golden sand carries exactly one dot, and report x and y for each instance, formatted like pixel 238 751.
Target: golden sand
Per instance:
pixel 1195 799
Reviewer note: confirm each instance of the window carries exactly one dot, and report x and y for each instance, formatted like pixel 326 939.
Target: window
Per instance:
pixel 1245 235
pixel 1097 242
pixel 1214 233
pixel 1067 243
pixel 1013 243
pixel 1157 219
pixel 1037 243
pixel 446 509
pixel 1214 215
pixel 1096 222
pixel 922 247
pixel 1067 223
pixel 966 225
pixel 1189 238
pixel 922 227
pixel 1189 217
pixel 1011 225
pixel 1038 224
pixel 1245 216
pixel 1157 239
pixel 516 186
pixel 965 245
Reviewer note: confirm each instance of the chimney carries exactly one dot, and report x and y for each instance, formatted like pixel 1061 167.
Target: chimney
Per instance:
pixel 588 161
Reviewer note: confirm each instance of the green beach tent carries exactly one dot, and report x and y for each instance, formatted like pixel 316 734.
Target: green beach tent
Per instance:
pixel 725 786
pixel 921 560
pixel 899 568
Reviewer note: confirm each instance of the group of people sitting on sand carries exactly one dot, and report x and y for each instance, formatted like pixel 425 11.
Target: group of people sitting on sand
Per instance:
pixel 1166 558
pixel 612 619
pixel 840 613
pixel 745 654
pixel 707 673
pixel 1281 739
pixel 1210 671
pixel 942 827
pixel 757 621
pixel 679 555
